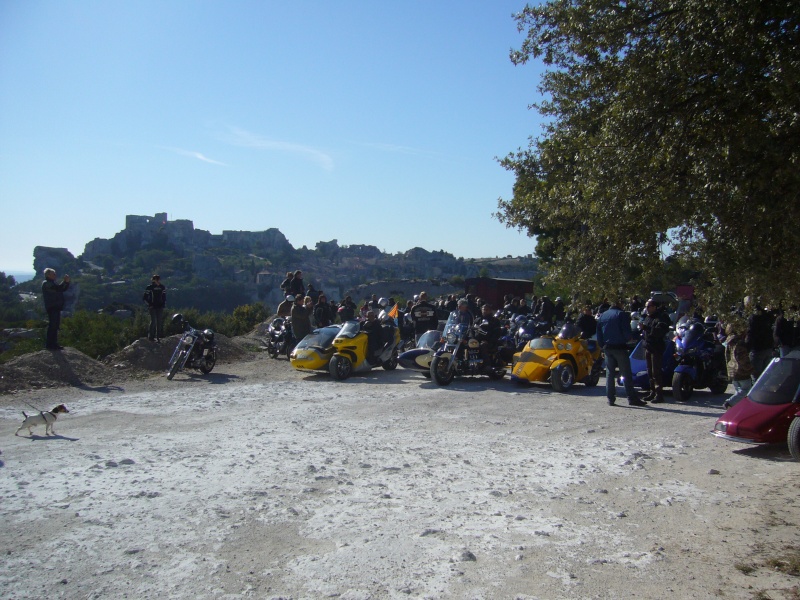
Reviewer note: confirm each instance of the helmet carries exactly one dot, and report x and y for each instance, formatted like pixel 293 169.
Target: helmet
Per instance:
pixel 177 319
pixel 558 299
pixel 290 297
pixel 416 297
pixel 383 302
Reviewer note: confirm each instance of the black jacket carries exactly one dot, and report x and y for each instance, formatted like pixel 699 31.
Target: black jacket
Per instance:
pixel 155 295
pixel 655 329
pixel 53 294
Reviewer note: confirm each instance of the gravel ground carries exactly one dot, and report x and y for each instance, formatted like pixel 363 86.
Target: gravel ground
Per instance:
pixel 258 481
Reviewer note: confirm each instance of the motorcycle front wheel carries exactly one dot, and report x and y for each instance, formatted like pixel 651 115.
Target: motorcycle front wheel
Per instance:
pixel 441 372
pixel 273 350
pixel 175 364
pixel 793 438
pixel 340 367
pixel 207 363
pixel 682 386
pixel 562 377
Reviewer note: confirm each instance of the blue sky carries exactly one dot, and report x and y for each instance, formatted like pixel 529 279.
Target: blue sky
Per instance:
pixel 368 122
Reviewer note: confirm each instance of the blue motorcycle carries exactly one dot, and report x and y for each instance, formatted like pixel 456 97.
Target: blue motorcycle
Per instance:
pixel 700 361
pixel 639 366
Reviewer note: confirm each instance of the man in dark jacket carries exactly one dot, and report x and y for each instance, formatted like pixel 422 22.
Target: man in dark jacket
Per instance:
pixel 654 328
pixel 53 295
pixel 587 323
pixel 546 311
pixel 155 296
pixel 424 316
pixel 301 319
pixel 759 337
pixel 613 335
pixel 488 331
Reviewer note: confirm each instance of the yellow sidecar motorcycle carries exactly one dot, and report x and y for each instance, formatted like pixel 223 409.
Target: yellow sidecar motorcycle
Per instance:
pixel 351 350
pixel 562 360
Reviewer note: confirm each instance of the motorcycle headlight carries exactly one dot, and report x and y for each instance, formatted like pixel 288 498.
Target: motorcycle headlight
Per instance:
pixel 451 338
pixel 560 346
pixel 569 347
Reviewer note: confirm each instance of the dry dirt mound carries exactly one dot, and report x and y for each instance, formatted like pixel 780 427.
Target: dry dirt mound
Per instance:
pixel 144 355
pixel 45 368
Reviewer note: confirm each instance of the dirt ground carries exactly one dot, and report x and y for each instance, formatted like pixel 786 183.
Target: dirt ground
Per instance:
pixel 258 481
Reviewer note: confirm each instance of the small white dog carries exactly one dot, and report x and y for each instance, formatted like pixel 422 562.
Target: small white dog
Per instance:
pixel 43 418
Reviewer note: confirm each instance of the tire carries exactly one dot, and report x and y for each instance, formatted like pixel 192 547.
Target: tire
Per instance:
pixel 208 362
pixel 496 374
pixel 340 367
pixel 288 349
pixel 391 364
pixel 173 368
pixel 273 350
pixel 793 438
pixel 562 377
pixel 682 386
pixel 719 386
pixel 593 379
pixel 441 373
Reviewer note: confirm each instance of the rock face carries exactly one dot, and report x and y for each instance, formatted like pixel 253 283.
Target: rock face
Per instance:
pixel 53 258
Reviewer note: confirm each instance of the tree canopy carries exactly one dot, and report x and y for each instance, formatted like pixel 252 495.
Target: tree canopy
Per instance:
pixel 673 128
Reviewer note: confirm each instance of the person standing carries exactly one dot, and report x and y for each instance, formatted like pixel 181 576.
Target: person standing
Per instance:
pixel 53 296
pixel 759 338
pixel 424 316
pixel 322 312
pixel 297 287
pixel 155 296
pixel 347 311
pixel 613 335
pixel 301 319
pixel 737 360
pixel 655 327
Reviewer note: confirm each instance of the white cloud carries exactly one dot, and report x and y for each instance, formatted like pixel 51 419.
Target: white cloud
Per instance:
pixel 246 139
pixel 197 155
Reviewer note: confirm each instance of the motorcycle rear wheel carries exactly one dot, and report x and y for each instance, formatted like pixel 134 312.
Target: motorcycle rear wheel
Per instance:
pixel 682 387
pixel 174 365
pixel 340 368
pixel 207 363
pixel 391 364
pixel 562 377
pixel 441 372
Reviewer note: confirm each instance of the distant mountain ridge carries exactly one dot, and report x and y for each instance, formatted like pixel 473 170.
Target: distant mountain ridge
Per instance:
pixel 248 265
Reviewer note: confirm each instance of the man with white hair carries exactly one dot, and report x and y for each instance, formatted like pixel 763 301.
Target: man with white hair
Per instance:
pixel 53 295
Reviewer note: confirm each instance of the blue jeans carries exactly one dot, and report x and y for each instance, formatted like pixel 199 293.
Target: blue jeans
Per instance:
pixel 618 358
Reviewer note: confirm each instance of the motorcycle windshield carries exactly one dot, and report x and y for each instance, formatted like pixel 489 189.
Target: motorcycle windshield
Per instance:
pixel 319 338
pixel 778 384
pixel 693 335
pixel 349 330
pixel 542 343
pixel 453 330
pixel 429 339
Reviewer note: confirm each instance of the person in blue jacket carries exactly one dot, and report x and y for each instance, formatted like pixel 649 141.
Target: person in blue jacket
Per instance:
pixel 613 334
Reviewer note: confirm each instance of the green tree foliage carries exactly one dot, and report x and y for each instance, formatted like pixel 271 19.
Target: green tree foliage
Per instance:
pixel 671 125
pixel 11 309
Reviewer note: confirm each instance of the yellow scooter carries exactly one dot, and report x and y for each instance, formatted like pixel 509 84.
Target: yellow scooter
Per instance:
pixel 562 360
pixel 351 350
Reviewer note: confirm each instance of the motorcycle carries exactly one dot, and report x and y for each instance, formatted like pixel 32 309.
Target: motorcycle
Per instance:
pixel 459 354
pixel 639 366
pixel 562 360
pixel 195 350
pixel 314 352
pixel 700 361
pixel 526 329
pixel 419 357
pixel 351 349
pixel 280 338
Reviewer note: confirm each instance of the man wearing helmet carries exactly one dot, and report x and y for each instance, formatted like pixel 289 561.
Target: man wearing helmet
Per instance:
pixel 285 307
pixel 424 316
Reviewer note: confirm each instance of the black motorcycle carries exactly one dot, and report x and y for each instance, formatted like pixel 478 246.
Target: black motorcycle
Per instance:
pixel 280 339
pixel 195 350
pixel 459 355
